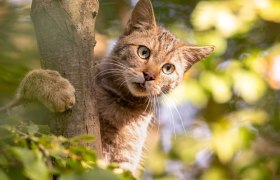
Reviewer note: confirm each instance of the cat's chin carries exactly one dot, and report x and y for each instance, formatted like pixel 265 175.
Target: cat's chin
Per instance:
pixel 136 89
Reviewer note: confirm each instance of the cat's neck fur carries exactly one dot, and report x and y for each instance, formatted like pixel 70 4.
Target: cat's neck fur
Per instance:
pixel 124 120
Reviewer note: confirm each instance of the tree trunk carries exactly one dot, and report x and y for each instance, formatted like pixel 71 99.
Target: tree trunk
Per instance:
pixel 65 37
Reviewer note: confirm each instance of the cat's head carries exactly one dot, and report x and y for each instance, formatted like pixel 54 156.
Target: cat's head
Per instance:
pixel 150 59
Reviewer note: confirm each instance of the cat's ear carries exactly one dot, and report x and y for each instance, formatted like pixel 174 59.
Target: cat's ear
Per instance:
pixel 193 54
pixel 142 18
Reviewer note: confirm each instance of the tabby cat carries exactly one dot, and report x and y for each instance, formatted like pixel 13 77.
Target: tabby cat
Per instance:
pixel 147 61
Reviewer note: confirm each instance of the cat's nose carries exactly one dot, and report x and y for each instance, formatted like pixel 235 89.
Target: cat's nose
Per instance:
pixel 149 76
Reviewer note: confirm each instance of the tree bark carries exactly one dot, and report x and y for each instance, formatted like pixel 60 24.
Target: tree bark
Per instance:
pixel 65 37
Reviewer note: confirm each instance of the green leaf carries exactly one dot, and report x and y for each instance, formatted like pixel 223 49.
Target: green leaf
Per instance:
pixel 34 167
pixel 3 176
pixel 92 174
pixel 32 128
pixel 250 93
pixel 4 133
pixel 15 172
pixel 214 173
pixel 44 129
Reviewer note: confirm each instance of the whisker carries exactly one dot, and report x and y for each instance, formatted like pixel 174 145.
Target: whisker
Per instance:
pixel 107 72
pixel 147 104
pixel 124 81
pixel 157 101
pixel 115 64
pixel 171 115
pixel 177 111
pixel 112 62
pixel 109 75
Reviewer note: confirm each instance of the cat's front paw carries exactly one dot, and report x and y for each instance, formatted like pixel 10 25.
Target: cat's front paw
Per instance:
pixel 61 100
pixel 49 88
pixel 62 97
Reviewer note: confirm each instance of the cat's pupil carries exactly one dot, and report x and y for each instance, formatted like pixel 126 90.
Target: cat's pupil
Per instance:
pixel 168 67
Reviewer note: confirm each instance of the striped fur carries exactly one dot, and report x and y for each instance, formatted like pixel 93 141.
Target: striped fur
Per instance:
pixel 126 111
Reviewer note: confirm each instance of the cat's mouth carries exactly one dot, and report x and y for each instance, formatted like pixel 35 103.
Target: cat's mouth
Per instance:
pixel 138 89
pixel 140 85
pixel 142 89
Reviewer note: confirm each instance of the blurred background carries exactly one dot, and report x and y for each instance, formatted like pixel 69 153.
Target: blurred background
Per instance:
pixel 223 122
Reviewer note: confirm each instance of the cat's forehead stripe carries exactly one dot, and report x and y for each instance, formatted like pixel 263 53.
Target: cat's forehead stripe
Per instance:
pixel 163 45
pixel 168 41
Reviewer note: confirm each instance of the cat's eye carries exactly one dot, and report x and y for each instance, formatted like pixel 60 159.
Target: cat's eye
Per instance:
pixel 144 52
pixel 168 68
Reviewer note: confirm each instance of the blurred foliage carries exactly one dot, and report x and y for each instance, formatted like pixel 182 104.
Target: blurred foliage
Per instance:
pixel 18 53
pixel 235 91
pixel 234 133
pixel 27 153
